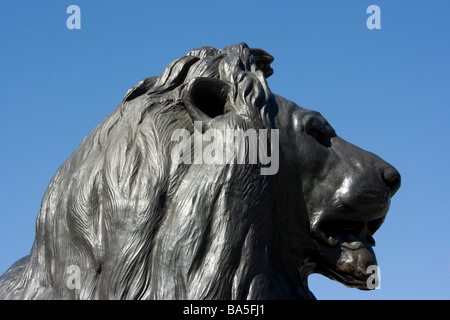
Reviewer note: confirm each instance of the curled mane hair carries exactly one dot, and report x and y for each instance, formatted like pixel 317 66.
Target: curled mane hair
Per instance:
pixel 140 226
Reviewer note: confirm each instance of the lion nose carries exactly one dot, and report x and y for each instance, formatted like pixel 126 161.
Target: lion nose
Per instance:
pixel 392 179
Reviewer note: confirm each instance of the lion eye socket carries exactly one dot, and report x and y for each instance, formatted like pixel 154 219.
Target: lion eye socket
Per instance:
pixel 317 129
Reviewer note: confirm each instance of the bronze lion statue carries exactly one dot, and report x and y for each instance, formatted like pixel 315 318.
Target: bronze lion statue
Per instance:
pixel 123 218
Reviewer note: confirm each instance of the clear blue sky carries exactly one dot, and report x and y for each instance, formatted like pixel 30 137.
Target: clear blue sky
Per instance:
pixel 387 91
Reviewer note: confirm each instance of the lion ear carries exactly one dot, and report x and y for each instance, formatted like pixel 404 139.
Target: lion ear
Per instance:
pixel 206 98
pixel 140 88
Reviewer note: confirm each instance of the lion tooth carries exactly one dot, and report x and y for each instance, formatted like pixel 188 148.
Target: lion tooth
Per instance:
pixel 332 241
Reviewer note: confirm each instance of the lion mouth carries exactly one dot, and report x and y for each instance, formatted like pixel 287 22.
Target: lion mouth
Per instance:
pixel 352 241
pixel 350 234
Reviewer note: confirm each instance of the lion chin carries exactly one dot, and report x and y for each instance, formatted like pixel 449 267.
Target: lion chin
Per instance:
pixel 135 213
pixel 351 268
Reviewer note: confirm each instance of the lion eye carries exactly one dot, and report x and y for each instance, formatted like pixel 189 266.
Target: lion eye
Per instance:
pixel 317 129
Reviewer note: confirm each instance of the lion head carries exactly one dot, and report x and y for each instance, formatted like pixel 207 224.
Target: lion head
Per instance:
pixel 135 222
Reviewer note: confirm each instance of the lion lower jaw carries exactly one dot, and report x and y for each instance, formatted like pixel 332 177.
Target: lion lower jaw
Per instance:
pixel 353 264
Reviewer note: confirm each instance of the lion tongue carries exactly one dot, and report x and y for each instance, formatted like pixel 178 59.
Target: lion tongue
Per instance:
pixel 354 243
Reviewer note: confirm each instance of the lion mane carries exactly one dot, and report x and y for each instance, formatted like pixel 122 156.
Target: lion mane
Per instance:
pixel 138 225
